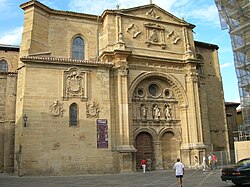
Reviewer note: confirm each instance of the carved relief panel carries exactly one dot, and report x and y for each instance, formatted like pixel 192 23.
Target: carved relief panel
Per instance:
pixel 56 109
pixel 74 84
pixel 154 101
pixel 92 110
pixel 155 35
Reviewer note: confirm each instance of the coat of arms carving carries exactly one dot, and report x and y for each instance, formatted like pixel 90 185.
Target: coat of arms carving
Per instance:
pixel 75 84
pixel 56 109
pixel 92 110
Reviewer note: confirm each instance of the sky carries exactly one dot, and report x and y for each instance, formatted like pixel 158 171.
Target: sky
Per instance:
pixel 202 13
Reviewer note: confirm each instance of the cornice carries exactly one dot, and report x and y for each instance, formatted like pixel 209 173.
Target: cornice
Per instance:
pixel 37 4
pixel 55 60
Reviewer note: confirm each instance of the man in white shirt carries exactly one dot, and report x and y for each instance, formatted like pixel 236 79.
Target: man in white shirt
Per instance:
pixel 179 171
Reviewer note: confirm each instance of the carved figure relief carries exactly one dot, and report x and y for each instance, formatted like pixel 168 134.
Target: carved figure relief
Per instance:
pixel 133 30
pixel 156 112
pixel 56 109
pixel 168 112
pixel 92 110
pixel 155 35
pixel 152 13
pixel 144 111
pixel 75 84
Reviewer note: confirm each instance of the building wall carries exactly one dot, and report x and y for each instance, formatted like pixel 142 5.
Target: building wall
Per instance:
pixel 147 57
pixel 213 97
pixel 241 150
pixel 7 108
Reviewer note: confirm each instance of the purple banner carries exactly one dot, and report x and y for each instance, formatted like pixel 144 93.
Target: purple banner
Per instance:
pixel 102 133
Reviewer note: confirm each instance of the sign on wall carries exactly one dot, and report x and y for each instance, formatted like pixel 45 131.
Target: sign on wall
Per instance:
pixel 102 133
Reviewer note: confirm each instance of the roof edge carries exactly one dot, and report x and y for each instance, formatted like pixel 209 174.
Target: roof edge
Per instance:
pixel 206 45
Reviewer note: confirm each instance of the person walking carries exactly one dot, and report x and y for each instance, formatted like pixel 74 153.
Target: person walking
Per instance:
pixel 204 163
pixel 214 161
pixel 143 165
pixel 179 171
pixel 196 161
pixel 209 158
pixel 149 164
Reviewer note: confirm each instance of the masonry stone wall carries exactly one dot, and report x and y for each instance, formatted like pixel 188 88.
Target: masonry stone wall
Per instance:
pixel 146 58
pixel 241 150
pixel 7 109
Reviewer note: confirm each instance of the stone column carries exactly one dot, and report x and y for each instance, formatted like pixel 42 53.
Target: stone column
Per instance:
pixel 157 146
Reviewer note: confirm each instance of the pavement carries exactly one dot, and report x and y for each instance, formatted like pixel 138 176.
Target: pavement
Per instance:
pixel 164 178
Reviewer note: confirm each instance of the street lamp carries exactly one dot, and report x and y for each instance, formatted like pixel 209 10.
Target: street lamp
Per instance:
pixel 25 119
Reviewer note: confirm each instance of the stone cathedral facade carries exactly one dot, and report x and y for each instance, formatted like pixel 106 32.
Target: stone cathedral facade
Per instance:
pixel 96 94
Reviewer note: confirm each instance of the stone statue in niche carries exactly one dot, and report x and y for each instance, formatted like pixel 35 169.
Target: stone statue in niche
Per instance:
pixel 144 111
pixel 154 37
pixel 92 110
pixel 156 112
pixel 168 112
pixel 56 109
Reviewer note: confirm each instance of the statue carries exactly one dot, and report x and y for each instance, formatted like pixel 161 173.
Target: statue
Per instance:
pixel 168 112
pixel 144 111
pixel 156 112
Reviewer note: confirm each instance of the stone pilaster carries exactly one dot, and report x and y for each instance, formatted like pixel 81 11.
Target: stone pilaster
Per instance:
pixel 125 147
pixel 194 126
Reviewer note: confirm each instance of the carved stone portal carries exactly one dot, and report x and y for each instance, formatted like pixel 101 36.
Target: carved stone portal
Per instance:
pixel 92 110
pixel 75 84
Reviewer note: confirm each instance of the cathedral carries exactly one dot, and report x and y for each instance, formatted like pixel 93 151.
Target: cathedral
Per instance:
pixel 89 94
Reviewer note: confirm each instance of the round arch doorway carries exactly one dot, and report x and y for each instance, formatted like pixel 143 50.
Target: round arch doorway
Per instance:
pixel 143 144
pixel 170 148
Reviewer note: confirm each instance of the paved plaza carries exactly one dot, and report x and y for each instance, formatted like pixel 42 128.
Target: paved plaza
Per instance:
pixel 164 178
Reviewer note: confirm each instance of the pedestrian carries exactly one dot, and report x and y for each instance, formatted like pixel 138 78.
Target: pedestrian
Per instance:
pixel 214 161
pixel 143 165
pixel 204 163
pixel 149 164
pixel 179 171
pixel 196 161
pixel 209 159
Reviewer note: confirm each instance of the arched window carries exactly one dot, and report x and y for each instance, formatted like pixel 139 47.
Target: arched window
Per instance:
pixel 3 66
pixel 78 48
pixel 73 113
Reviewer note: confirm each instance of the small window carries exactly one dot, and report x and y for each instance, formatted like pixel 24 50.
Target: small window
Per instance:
pixel 73 113
pixel 3 66
pixel 78 48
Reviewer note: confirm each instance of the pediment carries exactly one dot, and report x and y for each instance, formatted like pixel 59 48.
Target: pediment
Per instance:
pixel 152 11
